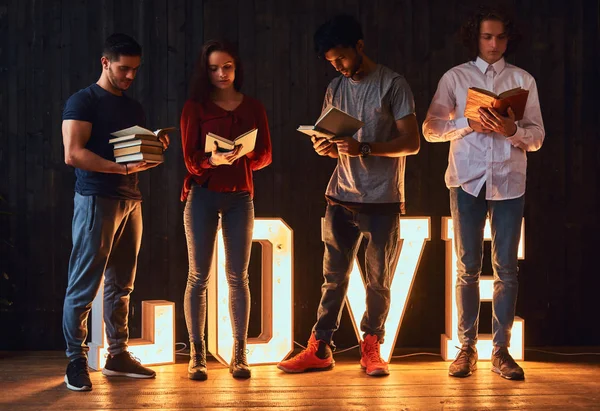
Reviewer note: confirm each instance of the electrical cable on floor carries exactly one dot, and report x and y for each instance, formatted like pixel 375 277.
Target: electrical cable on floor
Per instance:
pixel 345 349
pixel 562 353
pixel 415 354
pixel 180 351
pixel 395 356
pixel 335 352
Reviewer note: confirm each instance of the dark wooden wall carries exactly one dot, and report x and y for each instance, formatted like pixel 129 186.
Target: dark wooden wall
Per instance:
pixel 51 49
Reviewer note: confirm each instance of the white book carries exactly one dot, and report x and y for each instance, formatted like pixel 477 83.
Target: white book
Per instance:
pixel 147 157
pixel 246 140
pixel 137 132
pixel 137 142
pixel 333 123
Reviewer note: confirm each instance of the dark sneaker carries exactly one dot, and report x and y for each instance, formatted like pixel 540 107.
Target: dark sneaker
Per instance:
pixel 316 357
pixel 370 357
pixel 503 364
pixel 125 365
pixel 77 376
pixel 465 362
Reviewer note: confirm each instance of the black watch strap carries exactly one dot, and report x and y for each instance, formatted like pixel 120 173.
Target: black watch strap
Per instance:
pixel 365 149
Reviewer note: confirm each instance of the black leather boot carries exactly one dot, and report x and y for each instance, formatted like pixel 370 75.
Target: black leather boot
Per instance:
pixel 239 364
pixel 197 366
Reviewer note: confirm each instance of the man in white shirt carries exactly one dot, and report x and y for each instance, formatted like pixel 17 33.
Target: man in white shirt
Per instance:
pixel 486 174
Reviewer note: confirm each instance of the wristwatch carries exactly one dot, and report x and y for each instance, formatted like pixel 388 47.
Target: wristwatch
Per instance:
pixel 365 149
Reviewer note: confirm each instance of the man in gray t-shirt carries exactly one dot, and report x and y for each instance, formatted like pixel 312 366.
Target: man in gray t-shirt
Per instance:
pixel 365 194
pixel 379 99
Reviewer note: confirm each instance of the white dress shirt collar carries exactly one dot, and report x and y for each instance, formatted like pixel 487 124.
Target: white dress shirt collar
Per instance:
pixel 482 65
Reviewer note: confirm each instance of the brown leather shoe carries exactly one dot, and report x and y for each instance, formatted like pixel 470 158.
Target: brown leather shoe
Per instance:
pixel 503 364
pixel 465 362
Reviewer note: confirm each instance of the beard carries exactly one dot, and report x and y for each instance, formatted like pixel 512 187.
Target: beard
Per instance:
pixel 356 68
pixel 121 85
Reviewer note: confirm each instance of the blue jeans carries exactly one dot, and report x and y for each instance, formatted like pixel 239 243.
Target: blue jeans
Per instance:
pixel 342 234
pixel 107 235
pixel 468 215
pixel 202 212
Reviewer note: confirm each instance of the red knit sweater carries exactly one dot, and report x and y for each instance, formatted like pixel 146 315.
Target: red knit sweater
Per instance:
pixel 198 119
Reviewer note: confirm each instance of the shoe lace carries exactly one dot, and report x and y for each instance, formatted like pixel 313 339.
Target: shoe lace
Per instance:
pixel 134 358
pixel 312 348
pixel 372 352
pixel 198 359
pixel 463 356
pixel 505 358
pixel 241 356
pixel 81 370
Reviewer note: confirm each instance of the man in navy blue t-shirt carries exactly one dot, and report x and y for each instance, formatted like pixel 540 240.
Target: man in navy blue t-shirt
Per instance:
pixel 107 218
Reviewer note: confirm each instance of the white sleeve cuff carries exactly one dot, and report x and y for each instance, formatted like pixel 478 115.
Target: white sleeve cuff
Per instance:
pixel 462 126
pixel 518 139
pixel 461 123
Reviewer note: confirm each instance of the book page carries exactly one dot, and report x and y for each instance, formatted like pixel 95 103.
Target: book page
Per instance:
pixel 484 91
pixel 132 130
pixel 312 131
pixel 161 131
pixel 512 92
pixel 222 142
pixel 338 123
pixel 247 141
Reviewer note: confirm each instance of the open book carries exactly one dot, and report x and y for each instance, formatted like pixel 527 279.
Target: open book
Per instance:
pixel 246 140
pixel 138 132
pixel 333 123
pixel 515 98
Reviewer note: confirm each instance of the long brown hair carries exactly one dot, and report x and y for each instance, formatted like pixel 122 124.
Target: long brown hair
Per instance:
pixel 200 85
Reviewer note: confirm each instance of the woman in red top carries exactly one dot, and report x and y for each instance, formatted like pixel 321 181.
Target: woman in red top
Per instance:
pixel 219 186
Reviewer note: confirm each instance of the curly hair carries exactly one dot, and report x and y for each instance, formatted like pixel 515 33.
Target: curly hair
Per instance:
pixel 200 85
pixel 469 32
pixel 342 30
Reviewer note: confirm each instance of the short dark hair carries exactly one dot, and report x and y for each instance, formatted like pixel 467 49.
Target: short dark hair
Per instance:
pixel 469 32
pixel 200 85
pixel 119 44
pixel 342 30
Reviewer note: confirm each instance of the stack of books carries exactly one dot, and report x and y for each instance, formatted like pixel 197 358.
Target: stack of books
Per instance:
pixel 138 144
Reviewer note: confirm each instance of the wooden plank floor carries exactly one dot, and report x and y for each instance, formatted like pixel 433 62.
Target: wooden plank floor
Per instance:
pixel 34 381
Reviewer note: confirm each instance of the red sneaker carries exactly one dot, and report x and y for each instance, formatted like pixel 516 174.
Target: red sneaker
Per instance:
pixel 316 357
pixel 370 359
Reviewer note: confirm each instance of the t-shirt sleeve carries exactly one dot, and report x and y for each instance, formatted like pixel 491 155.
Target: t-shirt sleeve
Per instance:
pixel 402 102
pixel 79 107
pixel 328 99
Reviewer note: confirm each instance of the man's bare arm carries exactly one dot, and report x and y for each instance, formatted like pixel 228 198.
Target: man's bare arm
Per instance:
pixel 76 134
